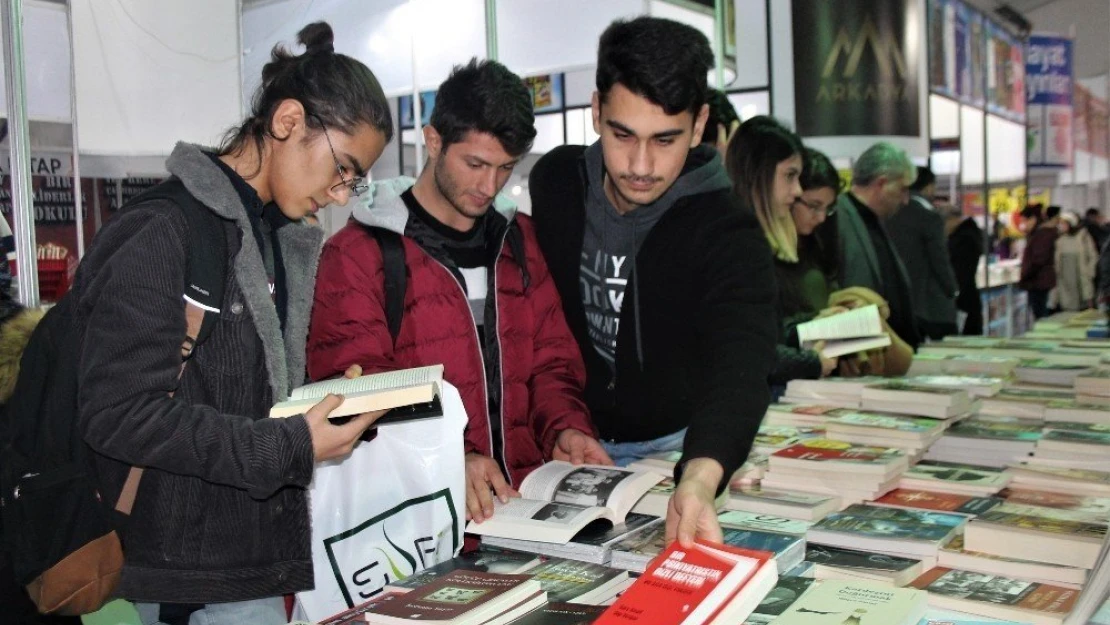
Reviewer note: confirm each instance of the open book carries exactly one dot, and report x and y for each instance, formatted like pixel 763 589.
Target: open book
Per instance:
pixel 408 394
pixel 846 333
pixel 559 499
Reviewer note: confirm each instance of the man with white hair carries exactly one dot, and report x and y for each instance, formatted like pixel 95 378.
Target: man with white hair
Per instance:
pixel 881 180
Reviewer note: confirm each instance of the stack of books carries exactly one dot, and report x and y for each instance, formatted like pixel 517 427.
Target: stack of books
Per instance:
pixel 772 438
pixel 972 363
pixel 637 550
pixel 852 564
pixel 1012 402
pixel 910 434
pixel 996 596
pixel 955 555
pixel 932 501
pixel 921 401
pixel 1075 411
pixel 891 531
pixel 975 385
pixel 1050 373
pixel 988 441
pixel 782 503
pixel 805 414
pixel 836 392
pixel 1093 387
pixel 1082 482
pixel 706 583
pixel 957 478
pixel 1074 445
pixel 1041 539
pixel 462 598
pixel 851 472
pixel 838 601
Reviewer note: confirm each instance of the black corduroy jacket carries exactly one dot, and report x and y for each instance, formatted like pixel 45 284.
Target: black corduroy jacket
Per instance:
pixel 221 512
pixel 705 311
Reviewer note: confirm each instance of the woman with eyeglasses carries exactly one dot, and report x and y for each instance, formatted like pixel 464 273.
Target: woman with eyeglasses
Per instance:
pixel 809 288
pixel 219 529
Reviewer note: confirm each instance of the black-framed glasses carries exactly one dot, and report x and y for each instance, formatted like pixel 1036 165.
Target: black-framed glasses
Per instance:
pixel 816 207
pixel 357 185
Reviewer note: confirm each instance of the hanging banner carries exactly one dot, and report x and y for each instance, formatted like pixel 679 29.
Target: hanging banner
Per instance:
pixel 1098 120
pixel 1049 92
pixel 856 67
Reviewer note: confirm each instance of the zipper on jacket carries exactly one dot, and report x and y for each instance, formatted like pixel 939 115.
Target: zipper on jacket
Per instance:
pixel 481 357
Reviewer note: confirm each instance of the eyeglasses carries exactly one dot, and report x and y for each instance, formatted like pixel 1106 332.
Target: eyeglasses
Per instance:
pixel 357 185
pixel 816 207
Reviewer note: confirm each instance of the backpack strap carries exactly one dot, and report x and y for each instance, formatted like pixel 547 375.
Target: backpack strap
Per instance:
pixel 205 279
pixel 396 277
pixel 515 238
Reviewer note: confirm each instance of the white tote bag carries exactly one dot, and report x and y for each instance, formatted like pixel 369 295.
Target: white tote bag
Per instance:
pixel 395 506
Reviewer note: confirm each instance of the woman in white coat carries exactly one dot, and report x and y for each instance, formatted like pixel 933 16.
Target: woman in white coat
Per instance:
pixel 1076 259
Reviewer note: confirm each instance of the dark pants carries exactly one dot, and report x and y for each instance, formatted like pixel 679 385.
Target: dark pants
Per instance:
pixel 1038 303
pixel 936 330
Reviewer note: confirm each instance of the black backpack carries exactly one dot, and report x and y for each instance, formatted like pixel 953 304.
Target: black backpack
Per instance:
pixel 396 277
pixel 58 532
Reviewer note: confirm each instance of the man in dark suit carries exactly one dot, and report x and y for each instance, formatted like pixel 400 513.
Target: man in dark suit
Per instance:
pixel 917 232
pixel 881 179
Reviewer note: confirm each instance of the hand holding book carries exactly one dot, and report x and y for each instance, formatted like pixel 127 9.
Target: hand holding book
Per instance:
pixel 329 440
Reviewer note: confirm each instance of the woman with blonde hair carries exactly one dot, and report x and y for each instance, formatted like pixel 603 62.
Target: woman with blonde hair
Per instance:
pixel 765 162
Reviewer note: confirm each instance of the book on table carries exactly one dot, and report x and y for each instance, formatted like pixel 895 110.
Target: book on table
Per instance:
pixel 852 602
pixel 997 596
pixel 913 499
pixel 831 562
pixel 593 544
pixel 955 555
pixel 556 613
pixel 1067 543
pixel 707 583
pixel 782 503
pixel 463 598
pixel 482 560
pixel 786 592
pixel 851 332
pixel 952 477
pixel 887 530
pixel 560 499
pixel 408 394
pixel 571 581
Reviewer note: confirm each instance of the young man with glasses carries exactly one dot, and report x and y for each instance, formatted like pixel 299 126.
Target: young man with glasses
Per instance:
pixel 479 298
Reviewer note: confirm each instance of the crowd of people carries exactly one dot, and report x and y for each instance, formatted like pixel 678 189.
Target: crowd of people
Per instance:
pixel 635 311
pixel 1066 262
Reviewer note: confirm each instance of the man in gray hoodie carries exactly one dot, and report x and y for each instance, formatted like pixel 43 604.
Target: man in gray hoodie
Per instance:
pixel 666 281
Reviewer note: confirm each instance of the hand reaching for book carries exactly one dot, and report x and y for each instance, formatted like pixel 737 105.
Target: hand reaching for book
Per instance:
pixel 578 448
pixel 483 481
pixel 692 512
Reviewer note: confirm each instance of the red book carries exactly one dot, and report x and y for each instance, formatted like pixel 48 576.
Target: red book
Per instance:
pixel 844 456
pixel 693 586
pixel 938 502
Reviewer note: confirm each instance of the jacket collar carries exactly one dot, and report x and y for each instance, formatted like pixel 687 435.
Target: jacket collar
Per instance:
pixel 300 246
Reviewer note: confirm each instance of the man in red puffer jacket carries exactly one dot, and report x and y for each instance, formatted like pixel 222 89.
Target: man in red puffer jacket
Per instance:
pixel 478 296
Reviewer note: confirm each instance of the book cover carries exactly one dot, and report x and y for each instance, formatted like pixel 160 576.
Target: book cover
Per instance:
pixel 1044 524
pixel 566 580
pixel 938 502
pixel 1069 474
pixel 1098 507
pixel 357 613
pixel 486 561
pixel 878 522
pixel 765 522
pixel 680 584
pixel 943 395
pixel 939 471
pixel 908 425
pixel 840 602
pixel 825 450
pixel 842 558
pixel 453 596
pixel 787 591
pixel 942 617
pixel 556 613
pixel 802 409
pixel 755 540
pixel 1025 430
pixel 1094 438
pixel 647 542
pixel 998 590
pixel 795 498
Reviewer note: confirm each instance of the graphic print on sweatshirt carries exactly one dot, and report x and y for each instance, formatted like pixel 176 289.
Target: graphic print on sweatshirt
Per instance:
pixel 603 278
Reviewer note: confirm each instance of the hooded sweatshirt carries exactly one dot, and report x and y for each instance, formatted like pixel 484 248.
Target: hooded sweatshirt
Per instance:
pixel 611 241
